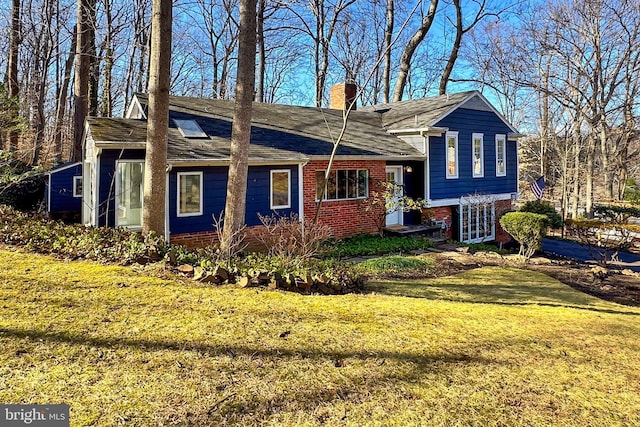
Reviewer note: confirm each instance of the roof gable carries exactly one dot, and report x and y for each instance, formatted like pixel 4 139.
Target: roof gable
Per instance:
pixel 425 113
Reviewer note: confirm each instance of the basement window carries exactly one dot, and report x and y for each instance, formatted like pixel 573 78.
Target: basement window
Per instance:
pixel 189 128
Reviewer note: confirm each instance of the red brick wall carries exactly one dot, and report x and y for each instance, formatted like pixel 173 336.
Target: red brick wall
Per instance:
pixel 345 217
pixel 502 206
pixel 444 214
pixel 207 238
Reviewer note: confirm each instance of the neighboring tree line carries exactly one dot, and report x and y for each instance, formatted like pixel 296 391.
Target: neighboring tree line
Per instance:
pixel 572 68
pixel 67 59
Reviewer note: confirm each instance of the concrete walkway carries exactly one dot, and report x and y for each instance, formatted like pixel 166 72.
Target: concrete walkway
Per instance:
pixel 582 253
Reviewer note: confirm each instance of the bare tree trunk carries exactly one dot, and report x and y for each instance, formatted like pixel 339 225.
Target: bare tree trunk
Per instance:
pixel 106 105
pixel 153 213
pixel 410 48
pixel 261 51
pixel 591 149
pixel 61 105
pixel 453 56
pixel 235 205
pixel 82 69
pixel 388 35
pixel 12 67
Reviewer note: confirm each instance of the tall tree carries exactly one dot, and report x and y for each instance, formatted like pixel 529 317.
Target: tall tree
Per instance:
pixel 410 48
pixel 85 33
pixel 235 205
pixel 12 67
pixel 153 212
pixel 461 30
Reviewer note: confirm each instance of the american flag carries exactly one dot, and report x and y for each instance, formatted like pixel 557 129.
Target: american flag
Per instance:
pixel 537 187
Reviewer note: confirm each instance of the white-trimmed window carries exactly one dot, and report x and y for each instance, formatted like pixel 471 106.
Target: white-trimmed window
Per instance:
pixel 77 186
pixel 452 154
pixel 190 194
pixel 343 184
pixel 280 189
pixel 501 155
pixel 478 155
pixel 477 222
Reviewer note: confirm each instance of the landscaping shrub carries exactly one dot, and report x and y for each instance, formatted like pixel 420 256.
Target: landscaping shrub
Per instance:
pixel 122 246
pixel 554 220
pixel 527 229
pixel 289 238
pixel 368 244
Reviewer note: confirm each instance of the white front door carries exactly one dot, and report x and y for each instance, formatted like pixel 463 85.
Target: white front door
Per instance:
pixel 394 215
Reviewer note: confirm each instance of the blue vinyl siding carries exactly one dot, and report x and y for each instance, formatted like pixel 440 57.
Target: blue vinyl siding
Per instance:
pixel 214 194
pixel 107 203
pixel 61 190
pixel 466 122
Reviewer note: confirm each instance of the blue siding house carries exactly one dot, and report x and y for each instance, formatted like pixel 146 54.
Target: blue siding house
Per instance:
pixel 456 151
pixel 63 191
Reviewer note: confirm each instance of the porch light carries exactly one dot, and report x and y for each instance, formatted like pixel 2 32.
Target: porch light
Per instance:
pixel 408 169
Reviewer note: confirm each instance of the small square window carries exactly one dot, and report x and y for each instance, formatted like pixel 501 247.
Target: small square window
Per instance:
pixel 189 194
pixel 77 186
pixel 280 189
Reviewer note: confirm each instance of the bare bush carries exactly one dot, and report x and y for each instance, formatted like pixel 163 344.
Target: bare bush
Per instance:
pixel 289 237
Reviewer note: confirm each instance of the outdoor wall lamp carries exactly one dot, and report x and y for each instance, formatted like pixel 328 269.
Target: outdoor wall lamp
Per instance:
pixel 408 169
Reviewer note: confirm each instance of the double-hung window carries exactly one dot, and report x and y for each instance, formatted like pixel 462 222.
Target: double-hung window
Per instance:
pixel 478 155
pixel 501 155
pixel 452 154
pixel 190 194
pixel 343 184
pixel 280 186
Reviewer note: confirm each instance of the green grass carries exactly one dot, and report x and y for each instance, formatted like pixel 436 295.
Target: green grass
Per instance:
pixel 489 347
pixel 395 265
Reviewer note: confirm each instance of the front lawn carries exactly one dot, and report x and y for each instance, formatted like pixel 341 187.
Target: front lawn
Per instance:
pixel 487 347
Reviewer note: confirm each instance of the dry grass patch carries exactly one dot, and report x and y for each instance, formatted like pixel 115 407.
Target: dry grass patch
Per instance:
pixel 123 348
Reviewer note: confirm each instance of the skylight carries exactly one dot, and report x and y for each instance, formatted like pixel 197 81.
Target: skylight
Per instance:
pixel 189 128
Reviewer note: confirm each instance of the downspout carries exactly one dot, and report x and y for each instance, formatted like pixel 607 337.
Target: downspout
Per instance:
pixel 49 195
pixel 301 193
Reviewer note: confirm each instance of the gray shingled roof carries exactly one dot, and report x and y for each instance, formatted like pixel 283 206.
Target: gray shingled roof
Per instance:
pixel 418 113
pixel 280 132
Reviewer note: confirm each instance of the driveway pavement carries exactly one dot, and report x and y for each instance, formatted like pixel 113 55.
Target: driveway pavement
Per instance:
pixel 582 253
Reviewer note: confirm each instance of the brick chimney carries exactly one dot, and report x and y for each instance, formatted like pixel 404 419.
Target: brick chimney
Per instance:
pixel 342 95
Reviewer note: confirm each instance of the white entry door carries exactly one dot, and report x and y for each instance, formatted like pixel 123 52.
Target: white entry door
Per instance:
pixel 394 174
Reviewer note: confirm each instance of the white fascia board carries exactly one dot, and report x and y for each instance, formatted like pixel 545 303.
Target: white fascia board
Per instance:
pixel 429 130
pixel 69 166
pixel 456 201
pixel 371 158
pixel 134 103
pixel 225 162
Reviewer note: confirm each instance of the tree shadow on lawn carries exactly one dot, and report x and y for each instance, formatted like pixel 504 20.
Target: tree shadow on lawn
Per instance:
pixel 231 350
pixel 489 285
